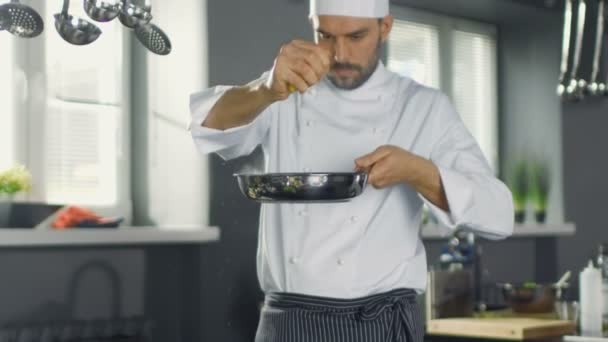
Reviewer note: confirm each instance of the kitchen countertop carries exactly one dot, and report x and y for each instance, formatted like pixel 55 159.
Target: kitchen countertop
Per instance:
pixel 28 237
pixel 584 339
pixel 513 329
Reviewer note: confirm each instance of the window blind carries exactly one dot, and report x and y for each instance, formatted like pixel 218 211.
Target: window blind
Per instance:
pixel 413 51
pixel 80 142
pixel 468 76
pixel 474 87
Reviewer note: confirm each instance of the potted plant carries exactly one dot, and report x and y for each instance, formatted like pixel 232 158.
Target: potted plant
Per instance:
pixel 12 181
pixel 539 189
pixel 517 181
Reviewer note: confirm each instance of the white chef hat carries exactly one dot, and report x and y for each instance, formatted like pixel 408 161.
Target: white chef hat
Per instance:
pixel 350 8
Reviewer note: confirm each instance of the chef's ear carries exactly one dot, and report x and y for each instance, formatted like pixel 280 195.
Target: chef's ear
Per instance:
pixel 386 25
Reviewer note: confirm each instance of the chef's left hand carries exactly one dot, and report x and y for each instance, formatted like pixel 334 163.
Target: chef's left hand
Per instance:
pixel 388 165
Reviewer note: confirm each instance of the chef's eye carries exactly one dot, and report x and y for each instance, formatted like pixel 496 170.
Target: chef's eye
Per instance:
pixel 324 36
pixel 356 36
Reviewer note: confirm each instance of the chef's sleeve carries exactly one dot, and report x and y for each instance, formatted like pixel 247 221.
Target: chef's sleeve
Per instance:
pixel 230 143
pixel 478 201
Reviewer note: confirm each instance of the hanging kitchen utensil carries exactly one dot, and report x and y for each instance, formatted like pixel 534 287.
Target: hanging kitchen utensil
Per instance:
pixel 594 87
pixel 23 21
pixel 75 30
pixel 302 187
pixel 102 11
pixel 576 87
pixel 133 15
pixel 153 38
pixel 561 88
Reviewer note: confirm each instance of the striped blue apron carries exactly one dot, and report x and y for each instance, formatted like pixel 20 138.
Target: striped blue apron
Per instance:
pixel 387 317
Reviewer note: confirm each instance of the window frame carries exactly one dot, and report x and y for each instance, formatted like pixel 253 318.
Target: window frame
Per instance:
pixel 29 123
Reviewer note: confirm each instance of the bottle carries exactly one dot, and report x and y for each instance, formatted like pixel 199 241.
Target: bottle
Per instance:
pixel 591 301
pixel 602 263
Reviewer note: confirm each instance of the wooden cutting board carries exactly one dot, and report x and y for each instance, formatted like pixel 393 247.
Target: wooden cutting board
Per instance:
pixel 515 329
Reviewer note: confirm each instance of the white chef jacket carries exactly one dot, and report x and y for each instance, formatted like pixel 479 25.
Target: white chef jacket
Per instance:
pixel 371 244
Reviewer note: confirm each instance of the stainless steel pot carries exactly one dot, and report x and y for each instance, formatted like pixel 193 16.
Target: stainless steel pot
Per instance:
pixel 302 187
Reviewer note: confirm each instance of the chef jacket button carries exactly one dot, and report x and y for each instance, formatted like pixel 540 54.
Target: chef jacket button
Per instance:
pixel 308 123
pixel 293 260
pixel 354 219
pixel 303 213
pixel 340 262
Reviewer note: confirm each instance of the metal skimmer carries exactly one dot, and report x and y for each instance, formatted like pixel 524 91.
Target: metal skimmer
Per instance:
pixel 23 21
pixel 153 38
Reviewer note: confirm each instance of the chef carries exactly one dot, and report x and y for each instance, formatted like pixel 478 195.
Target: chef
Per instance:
pixel 350 271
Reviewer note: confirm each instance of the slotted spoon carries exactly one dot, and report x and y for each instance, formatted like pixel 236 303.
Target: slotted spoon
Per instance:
pixel 23 21
pixel 153 38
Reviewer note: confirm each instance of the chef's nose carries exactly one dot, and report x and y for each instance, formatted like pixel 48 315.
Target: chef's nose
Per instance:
pixel 340 50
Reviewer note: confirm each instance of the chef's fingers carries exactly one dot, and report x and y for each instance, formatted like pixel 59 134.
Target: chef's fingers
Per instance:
pixel 372 158
pixel 306 59
pixel 303 69
pixel 291 78
pixel 323 52
pixel 318 57
pixel 315 63
pixel 376 176
pixel 362 169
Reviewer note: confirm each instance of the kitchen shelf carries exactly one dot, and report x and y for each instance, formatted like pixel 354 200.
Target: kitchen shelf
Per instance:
pixel 431 231
pixel 24 237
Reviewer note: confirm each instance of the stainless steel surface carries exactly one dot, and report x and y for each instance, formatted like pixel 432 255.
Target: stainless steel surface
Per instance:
pixel 302 187
pixel 576 86
pixel 23 22
pixel 153 38
pixel 102 11
pixel 595 88
pixel 133 15
pixel 567 35
pixel 75 30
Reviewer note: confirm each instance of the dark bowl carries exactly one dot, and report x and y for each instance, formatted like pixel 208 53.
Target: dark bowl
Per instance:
pixel 527 298
pixel 302 187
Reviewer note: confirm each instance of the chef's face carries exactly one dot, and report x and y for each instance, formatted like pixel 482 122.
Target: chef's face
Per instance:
pixel 355 44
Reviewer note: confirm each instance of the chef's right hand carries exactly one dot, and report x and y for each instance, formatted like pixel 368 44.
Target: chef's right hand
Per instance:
pixel 300 64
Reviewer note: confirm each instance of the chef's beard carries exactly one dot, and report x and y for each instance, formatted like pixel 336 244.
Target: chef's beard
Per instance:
pixel 364 73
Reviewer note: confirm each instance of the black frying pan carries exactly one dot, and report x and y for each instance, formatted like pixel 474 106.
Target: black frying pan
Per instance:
pixel 302 187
